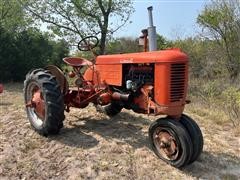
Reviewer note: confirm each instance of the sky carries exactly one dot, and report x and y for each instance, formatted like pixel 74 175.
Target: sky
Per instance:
pixel 173 18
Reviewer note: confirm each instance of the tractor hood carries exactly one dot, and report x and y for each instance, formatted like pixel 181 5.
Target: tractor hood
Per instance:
pixel 167 56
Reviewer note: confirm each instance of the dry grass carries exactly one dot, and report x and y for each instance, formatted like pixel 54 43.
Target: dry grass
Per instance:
pixel 213 115
pixel 93 146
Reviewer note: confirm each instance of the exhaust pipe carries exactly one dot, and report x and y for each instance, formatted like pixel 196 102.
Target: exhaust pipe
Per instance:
pixel 106 98
pixel 152 35
pixel 120 97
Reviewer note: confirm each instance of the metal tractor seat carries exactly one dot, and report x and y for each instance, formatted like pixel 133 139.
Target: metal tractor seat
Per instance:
pixel 77 61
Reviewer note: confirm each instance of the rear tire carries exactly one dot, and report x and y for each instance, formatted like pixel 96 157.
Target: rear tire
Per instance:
pixel 170 142
pixel 113 109
pixel 195 135
pixel 52 100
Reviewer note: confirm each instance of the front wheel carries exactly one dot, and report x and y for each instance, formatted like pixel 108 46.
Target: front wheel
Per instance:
pixel 170 142
pixel 44 102
pixel 195 135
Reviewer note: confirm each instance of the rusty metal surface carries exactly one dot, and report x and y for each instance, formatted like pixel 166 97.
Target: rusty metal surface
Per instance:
pixel 37 102
pixel 166 144
pixel 120 97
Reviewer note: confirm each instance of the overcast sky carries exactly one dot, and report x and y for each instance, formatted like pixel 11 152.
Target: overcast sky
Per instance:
pixel 171 17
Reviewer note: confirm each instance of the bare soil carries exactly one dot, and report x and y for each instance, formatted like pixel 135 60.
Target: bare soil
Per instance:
pixel 94 146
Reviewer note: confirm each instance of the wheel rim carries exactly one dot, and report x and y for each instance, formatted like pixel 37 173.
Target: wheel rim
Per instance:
pixel 166 144
pixel 36 104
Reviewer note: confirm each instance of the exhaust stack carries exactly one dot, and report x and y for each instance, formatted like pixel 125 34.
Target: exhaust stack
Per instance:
pixel 151 31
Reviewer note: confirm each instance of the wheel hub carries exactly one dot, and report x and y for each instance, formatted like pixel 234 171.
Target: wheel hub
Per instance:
pixel 37 102
pixel 166 145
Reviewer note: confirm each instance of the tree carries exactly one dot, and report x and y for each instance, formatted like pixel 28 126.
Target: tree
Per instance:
pixel 27 50
pixel 202 57
pixel 12 16
pixel 73 18
pixel 23 47
pixel 59 50
pixel 221 20
pixel 162 43
pixel 131 45
pixel 123 45
pixel 7 53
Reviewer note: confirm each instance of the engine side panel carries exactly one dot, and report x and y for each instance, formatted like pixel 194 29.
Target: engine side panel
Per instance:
pixel 110 74
pixel 170 87
pixel 161 83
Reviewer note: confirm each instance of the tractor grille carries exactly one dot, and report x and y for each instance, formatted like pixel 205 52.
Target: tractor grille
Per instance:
pixel 177 81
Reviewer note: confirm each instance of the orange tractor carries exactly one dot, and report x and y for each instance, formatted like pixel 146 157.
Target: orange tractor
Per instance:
pixel 153 83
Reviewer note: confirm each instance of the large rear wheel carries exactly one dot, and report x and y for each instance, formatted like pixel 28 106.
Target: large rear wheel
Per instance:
pixel 195 135
pixel 44 102
pixel 170 142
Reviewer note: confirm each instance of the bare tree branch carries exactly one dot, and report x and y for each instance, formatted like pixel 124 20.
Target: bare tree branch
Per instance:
pixel 81 16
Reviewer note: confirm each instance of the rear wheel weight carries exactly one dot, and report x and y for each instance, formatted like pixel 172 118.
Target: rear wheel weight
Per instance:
pixel 195 135
pixel 170 142
pixel 46 118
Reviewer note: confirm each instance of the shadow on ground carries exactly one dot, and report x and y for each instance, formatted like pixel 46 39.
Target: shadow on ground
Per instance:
pixel 129 129
pixel 76 138
pixel 5 104
pixel 224 165
pixel 124 127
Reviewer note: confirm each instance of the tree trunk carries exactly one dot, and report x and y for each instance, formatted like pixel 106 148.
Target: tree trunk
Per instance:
pixel 102 42
pixel 104 31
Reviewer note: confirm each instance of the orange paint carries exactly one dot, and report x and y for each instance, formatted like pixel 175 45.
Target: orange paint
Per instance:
pixel 38 104
pixel 167 56
pixel 109 74
pixel 77 62
pixel 169 85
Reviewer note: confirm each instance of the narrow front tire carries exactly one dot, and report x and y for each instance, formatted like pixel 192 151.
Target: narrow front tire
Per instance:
pixel 195 135
pixel 170 142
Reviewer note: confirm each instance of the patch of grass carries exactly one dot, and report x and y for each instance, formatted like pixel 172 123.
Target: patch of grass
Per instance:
pixel 26 166
pixel 212 115
pixel 13 87
pixel 229 177
pixel 208 114
pixel 30 145
pixel 197 110
pixel 12 95
pixel 237 131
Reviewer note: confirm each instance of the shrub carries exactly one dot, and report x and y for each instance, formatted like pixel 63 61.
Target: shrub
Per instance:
pixel 231 104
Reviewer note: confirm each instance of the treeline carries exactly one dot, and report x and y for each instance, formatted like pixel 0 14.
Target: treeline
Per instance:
pixel 23 46
pixel 215 61
pixel 25 50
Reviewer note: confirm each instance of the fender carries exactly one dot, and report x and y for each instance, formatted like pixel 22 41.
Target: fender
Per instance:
pixel 61 79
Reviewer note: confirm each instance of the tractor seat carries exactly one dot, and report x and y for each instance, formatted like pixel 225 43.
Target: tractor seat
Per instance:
pixel 77 62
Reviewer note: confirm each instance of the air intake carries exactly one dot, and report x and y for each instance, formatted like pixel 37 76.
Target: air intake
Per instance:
pixel 177 81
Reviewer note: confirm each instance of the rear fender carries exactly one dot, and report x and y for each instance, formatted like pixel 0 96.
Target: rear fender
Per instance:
pixel 61 79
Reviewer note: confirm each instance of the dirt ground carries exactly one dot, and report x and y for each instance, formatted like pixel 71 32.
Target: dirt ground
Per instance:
pixel 93 146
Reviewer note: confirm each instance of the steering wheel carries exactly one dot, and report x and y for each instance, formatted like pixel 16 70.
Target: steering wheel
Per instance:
pixel 88 43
